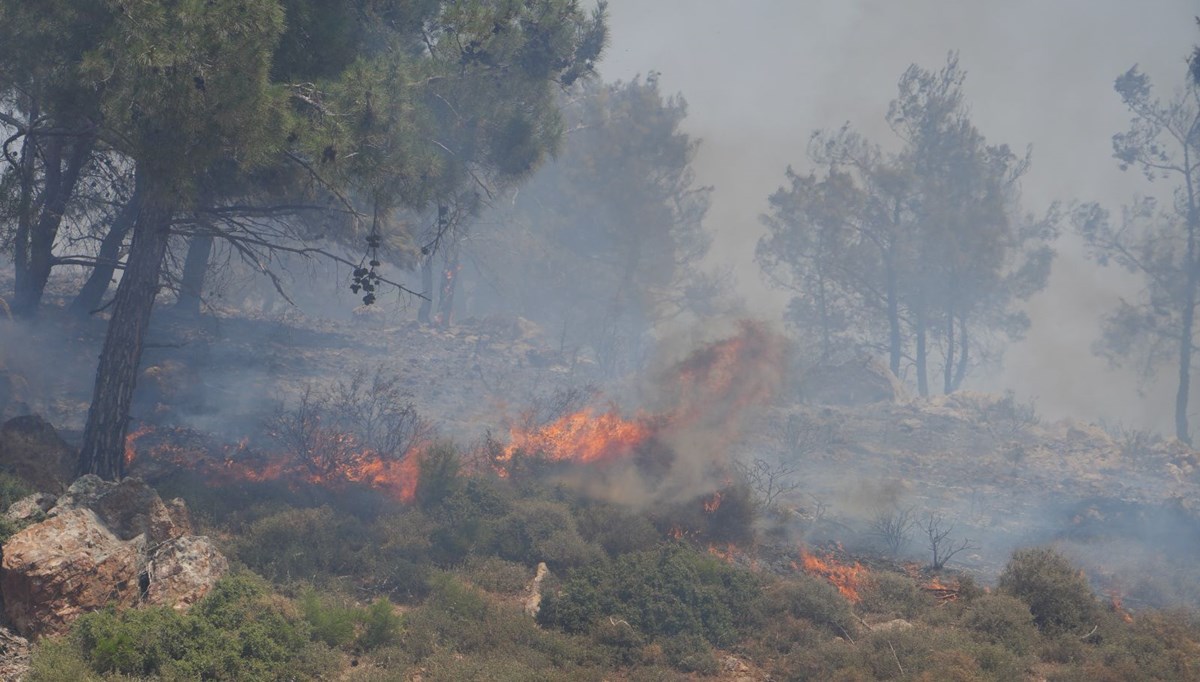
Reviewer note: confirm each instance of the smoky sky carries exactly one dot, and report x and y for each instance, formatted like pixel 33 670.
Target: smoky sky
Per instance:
pixel 760 76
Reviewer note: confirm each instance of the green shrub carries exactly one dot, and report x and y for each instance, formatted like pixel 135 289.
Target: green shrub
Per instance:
pixel 381 625
pixel 332 622
pixel 306 544
pixel 497 575
pixel 12 489
pixel 240 631
pixel 690 654
pixel 618 530
pixel 1004 620
pixel 1056 593
pixel 672 591
pixel 894 595
pixel 439 474
pixel 540 530
pixel 812 599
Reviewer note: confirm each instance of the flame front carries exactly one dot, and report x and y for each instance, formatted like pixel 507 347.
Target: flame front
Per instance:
pixel 847 578
pixel 347 464
pixel 582 436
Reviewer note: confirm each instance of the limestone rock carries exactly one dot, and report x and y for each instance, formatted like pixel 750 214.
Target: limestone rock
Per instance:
pixel 56 570
pixel 129 508
pixel 14 655
pixel 31 508
pixel 102 543
pixel 182 571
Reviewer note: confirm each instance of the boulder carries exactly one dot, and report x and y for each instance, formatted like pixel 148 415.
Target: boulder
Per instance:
pixel 31 449
pixel 55 571
pixel 129 508
pixel 31 508
pixel 182 571
pixel 14 655
pixel 102 543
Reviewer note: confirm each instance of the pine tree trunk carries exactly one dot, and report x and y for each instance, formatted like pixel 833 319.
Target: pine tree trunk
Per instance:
pixel 24 213
pixel 60 187
pixel 89 298
pixel 893 311
pixel 963 346
pixel 1182 396
pixel 449 285
pixel 948 369
pixel 195 267
pixel 104 437
pixel 922 379
pixel 426 309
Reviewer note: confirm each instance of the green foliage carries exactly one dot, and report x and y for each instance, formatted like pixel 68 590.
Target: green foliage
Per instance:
pixel 305 544
pixel 240 631
pixel 673 591
pixel 617 529
pixel 12 489
pixel 332 622
pixel 1004 620
pixel 1056 593
pixel 538 530
pixel 894 595
pixel 439 476
pixel 497 575
pixel 812 599
pixel 381 625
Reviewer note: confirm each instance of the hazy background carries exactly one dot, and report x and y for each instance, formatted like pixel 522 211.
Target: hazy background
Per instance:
pixel 760 75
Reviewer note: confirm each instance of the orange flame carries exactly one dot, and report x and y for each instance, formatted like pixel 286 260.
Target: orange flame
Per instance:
pixel 1115 600
pixel 395 477
pixel 725 554
pixel 131 443
pixel 713 503
pixel 582 436
pixel 847 578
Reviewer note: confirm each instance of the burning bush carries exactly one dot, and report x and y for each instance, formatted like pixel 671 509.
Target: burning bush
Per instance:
pixel 1056 593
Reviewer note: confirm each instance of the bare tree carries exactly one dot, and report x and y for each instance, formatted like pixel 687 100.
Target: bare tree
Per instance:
pixel 894 528
pixel 769 480
pixel 941 545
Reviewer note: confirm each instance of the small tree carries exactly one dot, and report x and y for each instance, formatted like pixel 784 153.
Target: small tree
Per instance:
pixel 1158 240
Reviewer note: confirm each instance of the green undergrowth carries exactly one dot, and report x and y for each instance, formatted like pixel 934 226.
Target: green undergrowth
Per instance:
pixel 357 589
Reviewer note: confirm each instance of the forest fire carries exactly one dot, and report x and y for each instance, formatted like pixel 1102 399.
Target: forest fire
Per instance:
pixel 847 578
pixel 713 503
pixel 705 397
pixel 396 478
pixel 582 436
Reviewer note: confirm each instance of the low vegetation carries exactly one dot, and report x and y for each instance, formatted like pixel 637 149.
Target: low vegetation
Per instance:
pixel 354 588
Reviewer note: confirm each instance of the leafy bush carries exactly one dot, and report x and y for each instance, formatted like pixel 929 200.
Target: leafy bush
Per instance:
pixel 1004 620
pixel 618 530
pixel 673 591
pixel 240 631
pixel 12 489
pixel 332 622
pixel 540 530
pixel 305 544
pixel 1056 593
pixel 497 575
pixel 812 599
pixel 894 595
